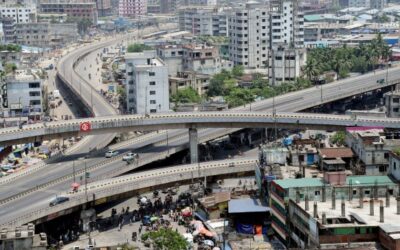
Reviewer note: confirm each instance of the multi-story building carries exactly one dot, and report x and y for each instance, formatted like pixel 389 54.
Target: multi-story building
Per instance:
pixel 286 55
pixel 392 104
pixel 9 31
pixel 45 34
pixel 360 3
pixel 168 6
pixel 204 21
pixel 172 57
pixel 19 13
pixel 372 148
pixel 74 9
pixel 199 2
pixel 324 196
pixel 24 94
pixel 189 79
pixel 248 32
pixel 198 58
pixel 33 34
pixel 146 83
pixel 103 7
pixel 132 8
pixel 378 4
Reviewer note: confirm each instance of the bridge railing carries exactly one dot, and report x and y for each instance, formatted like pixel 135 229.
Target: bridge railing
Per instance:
pixel 141 180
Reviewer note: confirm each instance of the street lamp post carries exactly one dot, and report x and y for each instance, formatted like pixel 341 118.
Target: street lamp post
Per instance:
pixel 20 114
pixel 73 170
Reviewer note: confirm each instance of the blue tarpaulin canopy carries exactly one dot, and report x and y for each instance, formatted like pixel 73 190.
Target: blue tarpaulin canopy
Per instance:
pixel 246 206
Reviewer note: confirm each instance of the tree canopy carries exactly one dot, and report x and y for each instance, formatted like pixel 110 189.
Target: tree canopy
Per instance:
pixel 361 59
pixel 166 239
pixel 10 47
pixel 138 47
pixel 186 95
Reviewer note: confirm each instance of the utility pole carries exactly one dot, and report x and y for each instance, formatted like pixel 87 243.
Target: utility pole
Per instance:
pixel 73 170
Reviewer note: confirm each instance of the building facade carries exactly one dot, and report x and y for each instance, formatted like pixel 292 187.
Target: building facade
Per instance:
pixel 24 94
pixel 132 8
pixel 74 10
pixel 146 83
pixel 204 21
pixel 248 33
pixel 103 7
pixel 286 53
pixel 45 34
pixel 9 29
pixel 19 13
pixel 392 104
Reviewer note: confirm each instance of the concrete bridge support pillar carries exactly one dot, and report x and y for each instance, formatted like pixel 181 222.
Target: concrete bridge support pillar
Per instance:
pixel 193 145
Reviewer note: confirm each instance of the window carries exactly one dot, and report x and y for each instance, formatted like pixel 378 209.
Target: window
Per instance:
pixel 395 109
pixel 152 73
pixel 317 192
pixel 382 168
pixel 394 165
pixel 152 83
pixel 34 85
pixel 152 101
pixel 153 110
pixel 34 102
pixel 34 93
pixel 396 100
pixel 152 92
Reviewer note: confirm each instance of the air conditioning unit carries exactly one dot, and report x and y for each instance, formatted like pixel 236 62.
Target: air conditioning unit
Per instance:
pixel 3 235
pixel 17 234
pixel 30 233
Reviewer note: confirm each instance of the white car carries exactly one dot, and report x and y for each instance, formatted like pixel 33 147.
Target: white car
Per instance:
pixel 111 153
pixel 129 156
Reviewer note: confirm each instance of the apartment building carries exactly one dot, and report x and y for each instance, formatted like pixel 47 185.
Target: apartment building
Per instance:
pixel 186 79
pixel 45 34
pixel 74 9
pixel 248 33
pixel 9 31
pixel 24 94
pixel 287 54
pixel 392 104
pixel 103 7
pixel 372 148
pixel 132 8
pixel 147 85
pixel 19 13
pixel 204 21
pixel 199 58
pixel 308 212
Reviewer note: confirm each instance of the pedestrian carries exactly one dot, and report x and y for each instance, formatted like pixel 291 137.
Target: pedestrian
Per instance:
pixel 140 229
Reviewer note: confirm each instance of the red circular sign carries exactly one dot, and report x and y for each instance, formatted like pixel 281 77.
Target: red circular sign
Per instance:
pixel 85 126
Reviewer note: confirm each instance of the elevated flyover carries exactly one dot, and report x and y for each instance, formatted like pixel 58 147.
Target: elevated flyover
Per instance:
pixel 113 124
pixel 104 190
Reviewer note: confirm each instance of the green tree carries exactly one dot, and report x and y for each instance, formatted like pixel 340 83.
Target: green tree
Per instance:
pixel 166 239
pixel 138 47
pixel 237 71
pixel 221 84
pixel 121 91
pixel 239 97
pixel 312 70
pixel 186 95
pixel 339 138
pixel 10 68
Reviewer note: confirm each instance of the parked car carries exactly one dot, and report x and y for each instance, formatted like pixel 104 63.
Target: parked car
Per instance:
pixel 58 200
pixel 129 156
pixel 111 153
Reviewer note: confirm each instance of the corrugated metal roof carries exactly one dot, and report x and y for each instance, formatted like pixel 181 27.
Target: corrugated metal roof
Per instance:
pixel 369 180
pixel 246 206
pixel 303 182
